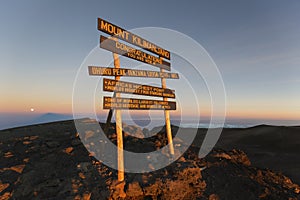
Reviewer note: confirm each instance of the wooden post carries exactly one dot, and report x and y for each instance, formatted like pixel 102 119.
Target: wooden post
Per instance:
pixel 167 118
pixel 118 116
pixel 119 127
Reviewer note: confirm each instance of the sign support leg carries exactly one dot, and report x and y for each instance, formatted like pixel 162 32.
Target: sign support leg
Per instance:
pixel 118 116
pixel 167 119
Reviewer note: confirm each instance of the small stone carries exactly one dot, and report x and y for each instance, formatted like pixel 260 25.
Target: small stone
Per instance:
pixel 5 196
pixel 26 142
pixel 3 186
pixel 92 154
pixel 181 159
pixel 8 154
pixel 86 196
pixel 34 137
pixel 69 150
pixel 18 168
pixel 81 175
pixel 213 197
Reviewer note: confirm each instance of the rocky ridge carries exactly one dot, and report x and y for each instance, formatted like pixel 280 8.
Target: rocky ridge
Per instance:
pixel 49 161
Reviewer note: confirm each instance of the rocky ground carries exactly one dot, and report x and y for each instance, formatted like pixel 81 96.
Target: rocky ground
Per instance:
pixel 49 161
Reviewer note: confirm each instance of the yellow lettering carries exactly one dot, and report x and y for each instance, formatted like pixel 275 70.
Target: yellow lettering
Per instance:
pixel 103 25
pixel 134 39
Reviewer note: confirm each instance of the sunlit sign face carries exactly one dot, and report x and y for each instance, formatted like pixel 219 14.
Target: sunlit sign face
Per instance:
pixel 110 85
pixel 137 104
pixel 106 71
pixel 130 52
pixel 131 38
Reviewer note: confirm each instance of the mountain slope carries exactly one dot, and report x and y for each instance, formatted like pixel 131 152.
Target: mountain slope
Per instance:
pixel 49 162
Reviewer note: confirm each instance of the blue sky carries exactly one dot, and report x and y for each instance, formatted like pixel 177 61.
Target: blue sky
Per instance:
pixel 255 44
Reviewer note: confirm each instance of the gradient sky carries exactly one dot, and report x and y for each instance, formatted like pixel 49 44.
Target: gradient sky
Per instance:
pixel 255 44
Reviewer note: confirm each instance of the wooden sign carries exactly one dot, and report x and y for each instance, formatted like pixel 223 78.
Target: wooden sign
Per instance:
pixel 130 52
pixel 131 38
pixel 137 104
pixel 117 103
pixel 106 71
pixel 111 85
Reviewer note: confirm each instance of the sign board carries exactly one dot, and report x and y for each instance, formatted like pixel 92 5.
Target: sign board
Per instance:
pixel 130 52
pixel 111 85
pixel 106 71
pixel 137 104
pixel 131 38
pixel 156 56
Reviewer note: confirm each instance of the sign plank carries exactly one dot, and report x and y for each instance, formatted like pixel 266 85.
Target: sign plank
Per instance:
pixel 130 52
pixel 137 104
pixel 131 38
pixel 106 71
pixel 111 85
